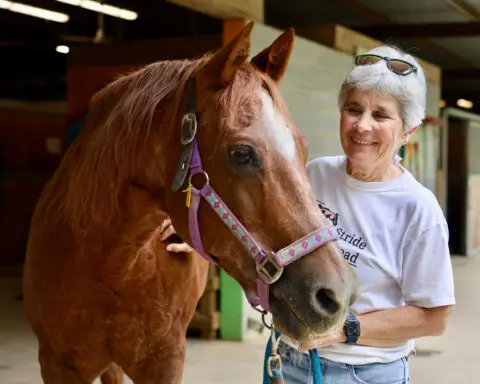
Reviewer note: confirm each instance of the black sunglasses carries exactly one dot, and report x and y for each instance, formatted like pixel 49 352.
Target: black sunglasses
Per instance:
pixel 400 67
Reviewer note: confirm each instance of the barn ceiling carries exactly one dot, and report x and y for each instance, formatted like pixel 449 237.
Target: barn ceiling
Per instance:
pixel 445 32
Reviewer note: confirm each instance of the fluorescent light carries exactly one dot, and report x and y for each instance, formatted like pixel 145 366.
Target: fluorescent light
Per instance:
pixel 463 103
pixel 91 5
pixel 103 8
pixel 34 11
pixel 62 49
pixel 72 2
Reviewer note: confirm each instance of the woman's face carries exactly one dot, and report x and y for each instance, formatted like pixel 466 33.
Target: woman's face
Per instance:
pixel 371 130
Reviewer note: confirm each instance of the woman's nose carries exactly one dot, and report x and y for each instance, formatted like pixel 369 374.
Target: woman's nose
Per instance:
pixel 363 124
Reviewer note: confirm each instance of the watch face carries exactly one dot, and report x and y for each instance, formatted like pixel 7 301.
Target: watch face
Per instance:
pixel 353 328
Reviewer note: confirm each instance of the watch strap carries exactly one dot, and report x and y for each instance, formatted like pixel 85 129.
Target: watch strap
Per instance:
pixel 352 338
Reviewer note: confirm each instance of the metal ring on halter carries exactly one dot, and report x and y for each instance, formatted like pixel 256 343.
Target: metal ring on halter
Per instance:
pixel 265 322
pixel 261 311
pixel 205 174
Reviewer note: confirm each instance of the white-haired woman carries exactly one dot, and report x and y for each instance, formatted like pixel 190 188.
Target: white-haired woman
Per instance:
pixel 392 230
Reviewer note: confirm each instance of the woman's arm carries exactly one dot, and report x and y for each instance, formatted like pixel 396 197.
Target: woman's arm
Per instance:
pixel 390 327
pixel 395 326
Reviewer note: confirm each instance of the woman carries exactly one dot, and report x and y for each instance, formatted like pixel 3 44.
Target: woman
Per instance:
pixel 392 230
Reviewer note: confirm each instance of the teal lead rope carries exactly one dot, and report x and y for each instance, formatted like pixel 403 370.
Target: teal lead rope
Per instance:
pixel 272 366
pixel 316 368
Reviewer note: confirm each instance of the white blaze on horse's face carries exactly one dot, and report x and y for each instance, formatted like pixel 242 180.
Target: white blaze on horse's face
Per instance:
pixel 276 127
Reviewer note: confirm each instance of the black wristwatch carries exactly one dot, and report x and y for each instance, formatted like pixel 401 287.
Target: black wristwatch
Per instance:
pixel 351 328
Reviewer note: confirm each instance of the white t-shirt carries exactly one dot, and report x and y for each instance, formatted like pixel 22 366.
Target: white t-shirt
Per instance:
pixel 395 236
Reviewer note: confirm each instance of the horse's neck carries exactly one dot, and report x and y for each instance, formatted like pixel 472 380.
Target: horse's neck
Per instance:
pixel 138 211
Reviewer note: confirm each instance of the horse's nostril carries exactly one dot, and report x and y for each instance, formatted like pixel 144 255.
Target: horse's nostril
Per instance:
pixel 326 299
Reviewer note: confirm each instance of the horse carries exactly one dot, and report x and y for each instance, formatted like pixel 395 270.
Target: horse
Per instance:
pixel 102 294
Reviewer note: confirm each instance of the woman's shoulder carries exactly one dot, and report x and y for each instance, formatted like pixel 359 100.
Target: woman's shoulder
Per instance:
pixel 325 164
pixel 425 210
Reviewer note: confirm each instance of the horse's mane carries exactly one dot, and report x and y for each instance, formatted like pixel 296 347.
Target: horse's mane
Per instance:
pixel 86 189
pixel 118 124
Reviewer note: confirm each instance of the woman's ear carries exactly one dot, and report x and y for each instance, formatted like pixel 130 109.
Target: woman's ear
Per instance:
pixel 409 133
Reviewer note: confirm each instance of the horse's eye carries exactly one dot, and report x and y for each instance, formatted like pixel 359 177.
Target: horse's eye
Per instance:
pixel 242 156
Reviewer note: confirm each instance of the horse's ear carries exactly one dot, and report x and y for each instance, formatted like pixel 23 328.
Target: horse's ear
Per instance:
pixel 273 60
pixel 225 62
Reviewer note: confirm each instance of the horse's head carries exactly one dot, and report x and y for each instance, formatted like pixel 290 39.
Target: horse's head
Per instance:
pixel 255 159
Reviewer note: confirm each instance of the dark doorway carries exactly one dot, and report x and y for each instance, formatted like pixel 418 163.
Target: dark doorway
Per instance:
pixel 457 184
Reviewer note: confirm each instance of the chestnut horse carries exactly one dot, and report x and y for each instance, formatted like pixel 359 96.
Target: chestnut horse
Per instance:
pixel 101 292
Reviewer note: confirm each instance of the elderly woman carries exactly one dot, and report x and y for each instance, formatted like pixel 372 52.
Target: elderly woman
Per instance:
pixel 392 230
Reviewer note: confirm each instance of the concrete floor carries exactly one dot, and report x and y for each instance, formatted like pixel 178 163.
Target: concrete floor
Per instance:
pixel 451 358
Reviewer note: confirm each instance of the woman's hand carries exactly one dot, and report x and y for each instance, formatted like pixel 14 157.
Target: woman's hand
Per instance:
pixel 167 230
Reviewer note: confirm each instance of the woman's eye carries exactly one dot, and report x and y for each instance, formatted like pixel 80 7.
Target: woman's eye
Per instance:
pixel 353 110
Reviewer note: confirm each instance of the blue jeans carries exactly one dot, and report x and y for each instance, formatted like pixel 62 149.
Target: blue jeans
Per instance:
pixel 297 370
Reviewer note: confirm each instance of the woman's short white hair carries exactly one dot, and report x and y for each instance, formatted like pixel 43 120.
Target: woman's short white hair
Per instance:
pixel 410 90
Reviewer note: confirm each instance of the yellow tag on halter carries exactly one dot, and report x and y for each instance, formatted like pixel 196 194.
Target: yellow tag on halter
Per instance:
pixel 189 195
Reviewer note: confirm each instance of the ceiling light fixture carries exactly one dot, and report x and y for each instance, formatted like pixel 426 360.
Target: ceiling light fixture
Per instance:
pixel 63 49
pixel 34 11
pixel 103 8
pixel 463 103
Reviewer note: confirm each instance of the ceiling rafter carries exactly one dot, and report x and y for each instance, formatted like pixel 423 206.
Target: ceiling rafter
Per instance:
pixel 421 30
pixel 458 74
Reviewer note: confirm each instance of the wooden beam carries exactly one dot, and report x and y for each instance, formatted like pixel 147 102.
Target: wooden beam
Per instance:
pixel 457 74
pixel 59 107
pixel 467 94
pixel 464 8
pixel 226 9
pixel 362 10
pixel 421 30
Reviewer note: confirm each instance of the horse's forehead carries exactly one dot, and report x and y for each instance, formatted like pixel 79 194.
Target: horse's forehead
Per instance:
pixel 276 128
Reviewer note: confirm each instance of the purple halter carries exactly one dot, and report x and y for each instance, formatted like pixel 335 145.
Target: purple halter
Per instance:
pixel 270 264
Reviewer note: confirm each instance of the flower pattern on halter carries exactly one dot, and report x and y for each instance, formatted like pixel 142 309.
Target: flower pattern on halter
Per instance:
pixel 231 222
pixel 283 257
pixel 305 245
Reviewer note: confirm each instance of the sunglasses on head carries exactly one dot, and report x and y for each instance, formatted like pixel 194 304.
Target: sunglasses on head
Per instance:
pixel 400 67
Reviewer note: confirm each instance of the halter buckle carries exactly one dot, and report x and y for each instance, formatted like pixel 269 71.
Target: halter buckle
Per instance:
pixel 189 128
pixel 269 270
